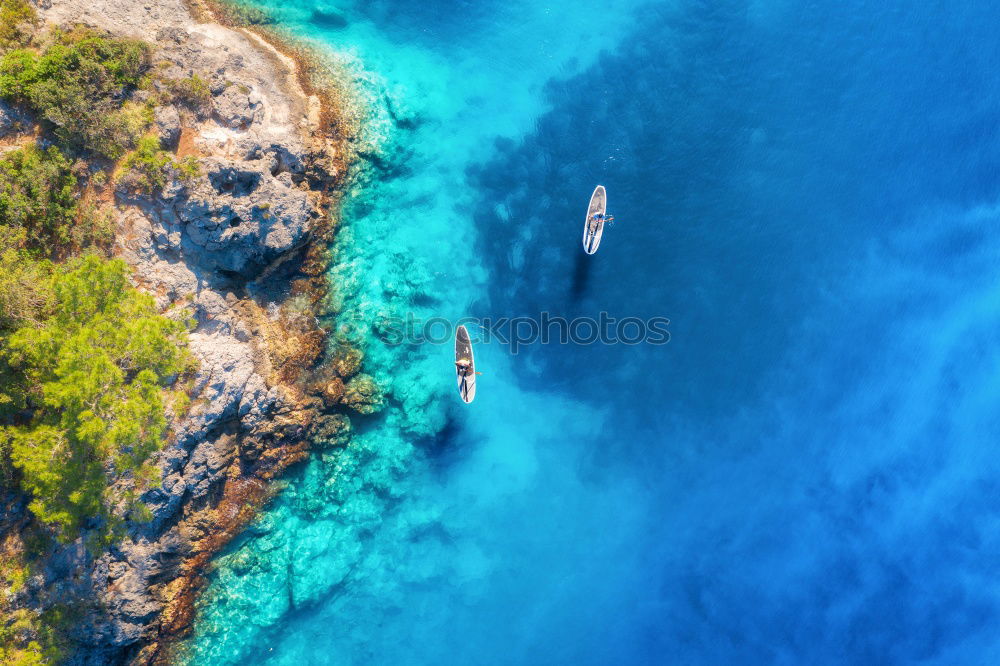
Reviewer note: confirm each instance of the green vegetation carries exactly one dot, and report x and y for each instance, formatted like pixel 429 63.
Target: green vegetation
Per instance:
pixel 86 360
pixel 17 23
pixel 189 168
pixel 192 92
pixel 39 196
pixel 21 294
pixel 84 357
pixel 28 638
pixel 93 369
pixel 145 170
pixel 77 84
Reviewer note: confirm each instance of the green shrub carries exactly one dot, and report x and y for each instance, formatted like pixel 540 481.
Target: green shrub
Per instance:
pixel 27 639
pixel 77 84
pixel 95 227
pixel 24 296
pixel 38 195
pixel 94 369
pixel 23 293
pixel 99 178
pixel 192 92
pixel 39 205
pixel 17 23
pixel 144 170
pixel 180 403
pixel 189 168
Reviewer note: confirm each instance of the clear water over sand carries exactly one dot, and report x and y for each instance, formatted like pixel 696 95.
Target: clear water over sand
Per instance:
pixel 806 473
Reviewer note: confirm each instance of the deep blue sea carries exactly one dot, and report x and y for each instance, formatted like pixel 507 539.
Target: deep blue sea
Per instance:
pixel 807 473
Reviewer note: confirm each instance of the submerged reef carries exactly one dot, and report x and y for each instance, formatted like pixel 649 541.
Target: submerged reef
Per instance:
pixel 225 209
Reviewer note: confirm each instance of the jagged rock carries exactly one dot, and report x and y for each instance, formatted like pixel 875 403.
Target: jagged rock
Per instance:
pixel 227 368
pixel 12 119
pixel 164 501
pixel 236 106
pixel 237 217
pixel 171 34
pixel 168 126
pixel 321 171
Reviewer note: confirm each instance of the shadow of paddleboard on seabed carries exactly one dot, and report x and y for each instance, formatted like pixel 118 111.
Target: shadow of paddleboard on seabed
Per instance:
pixel 581 275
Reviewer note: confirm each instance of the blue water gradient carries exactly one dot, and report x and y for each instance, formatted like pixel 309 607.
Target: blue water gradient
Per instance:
pixel 806 473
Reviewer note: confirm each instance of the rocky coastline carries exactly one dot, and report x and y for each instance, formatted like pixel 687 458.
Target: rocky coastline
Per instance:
pixel 242 247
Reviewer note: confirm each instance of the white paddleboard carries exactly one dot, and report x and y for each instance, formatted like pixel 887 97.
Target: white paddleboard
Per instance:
pixel 592 229
pixel 467 375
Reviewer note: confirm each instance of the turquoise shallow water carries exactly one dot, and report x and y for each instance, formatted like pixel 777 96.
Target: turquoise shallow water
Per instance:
pixel 804 474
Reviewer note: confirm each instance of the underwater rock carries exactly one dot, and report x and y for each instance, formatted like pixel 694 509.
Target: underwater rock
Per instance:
pixel 347 361
pixel 334 390
pixel 364 395
pixel 399 109
pixel 332 430
pixel 243 561
pixel 329 17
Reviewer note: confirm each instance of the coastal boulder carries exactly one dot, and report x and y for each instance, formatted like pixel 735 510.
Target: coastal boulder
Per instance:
pixel 240 218
pixel 12 119
pixel 168 126
pixel 236 106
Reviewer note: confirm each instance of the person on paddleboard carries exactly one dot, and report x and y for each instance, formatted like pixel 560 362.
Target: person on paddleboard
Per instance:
pixel 463 365
pixel 601 217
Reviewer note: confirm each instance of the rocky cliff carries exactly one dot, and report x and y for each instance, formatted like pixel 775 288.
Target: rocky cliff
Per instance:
pixel 241 245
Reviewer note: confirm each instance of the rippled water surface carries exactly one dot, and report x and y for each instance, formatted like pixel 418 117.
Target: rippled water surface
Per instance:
pixel 806 473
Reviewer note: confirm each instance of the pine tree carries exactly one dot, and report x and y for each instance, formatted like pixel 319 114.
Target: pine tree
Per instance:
pixel 94 370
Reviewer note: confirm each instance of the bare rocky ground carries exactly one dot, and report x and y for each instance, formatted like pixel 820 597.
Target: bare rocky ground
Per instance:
pixel 239 245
